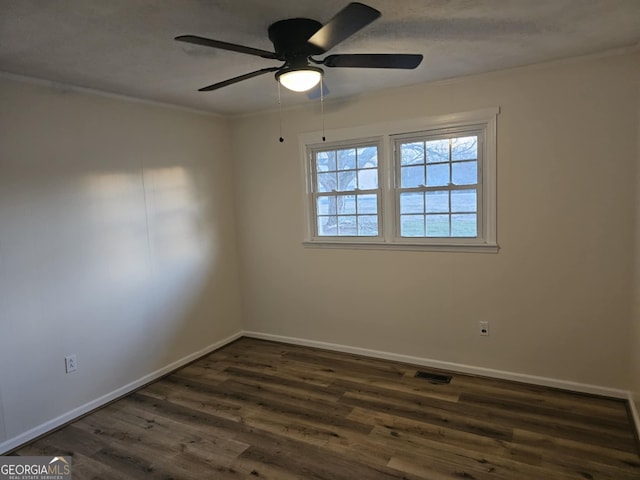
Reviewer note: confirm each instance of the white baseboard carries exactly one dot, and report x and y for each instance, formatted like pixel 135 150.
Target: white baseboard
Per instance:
pixel 35 432
pixel 634 413
pixel 456 367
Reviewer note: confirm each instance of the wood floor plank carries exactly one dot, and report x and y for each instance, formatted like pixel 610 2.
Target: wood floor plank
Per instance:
pixel 317 464
pixel 494 464
pixel 184 452
pixel 398 426
pixel 419 406
pixel 277 383
pixel 554 446
pixel 615 426
pixel 259 410
pixel 202 401
pixel 439 417
pixel 544 396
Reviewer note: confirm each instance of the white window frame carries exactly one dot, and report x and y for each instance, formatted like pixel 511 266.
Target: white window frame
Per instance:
pixel 385 135
pixel 314 194
pixel 475 130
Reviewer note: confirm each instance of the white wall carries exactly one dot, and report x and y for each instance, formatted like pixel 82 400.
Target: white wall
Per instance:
pixel 117 243
pixel 558 295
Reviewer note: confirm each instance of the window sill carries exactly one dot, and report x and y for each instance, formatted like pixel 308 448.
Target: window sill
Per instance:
pixel 423 247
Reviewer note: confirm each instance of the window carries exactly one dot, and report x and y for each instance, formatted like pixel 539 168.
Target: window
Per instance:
pixel 438 184
pixel 380 187
pixel 346 191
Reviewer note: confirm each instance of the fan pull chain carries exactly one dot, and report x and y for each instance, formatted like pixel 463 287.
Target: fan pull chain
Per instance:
pixel 324 139
pixel 280 112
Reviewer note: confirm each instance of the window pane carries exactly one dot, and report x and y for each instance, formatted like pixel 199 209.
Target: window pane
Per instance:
pixel 367 204
pixel 327 225
pixel 347 159
pixel 326 205
pixel 346 181
pixel 325 161
pixel 463 201
pixel 326 182
pixel 437 201
pixel 412 177
pixel 437 225
pixel 412 153
pixel 464 226
pixel 464 148
pixel 347 225
pixel 346 205
pixel 437 175
pixel 368 225
pixel 368 157
pixel 465 173
pixel 368 179
pixel 412 202
pixel 438 151
pixel 412 225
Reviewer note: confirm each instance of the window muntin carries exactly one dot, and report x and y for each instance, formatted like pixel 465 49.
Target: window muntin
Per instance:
pixel 438 185
pixel 346 191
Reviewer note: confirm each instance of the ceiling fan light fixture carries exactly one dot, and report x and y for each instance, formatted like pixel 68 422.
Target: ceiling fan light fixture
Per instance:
pixel 300 79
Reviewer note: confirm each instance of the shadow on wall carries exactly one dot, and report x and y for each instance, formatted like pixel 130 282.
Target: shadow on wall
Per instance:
pixel 118 267
pixel 168 251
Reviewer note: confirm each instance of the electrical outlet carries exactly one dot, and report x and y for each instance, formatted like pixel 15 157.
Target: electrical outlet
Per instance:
pixel 484 329
pixel 70 363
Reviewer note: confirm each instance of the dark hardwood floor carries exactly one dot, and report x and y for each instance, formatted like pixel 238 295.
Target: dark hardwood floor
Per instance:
pixel 263 410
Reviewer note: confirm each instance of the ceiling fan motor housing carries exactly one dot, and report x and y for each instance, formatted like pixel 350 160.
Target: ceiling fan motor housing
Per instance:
pixel 289 38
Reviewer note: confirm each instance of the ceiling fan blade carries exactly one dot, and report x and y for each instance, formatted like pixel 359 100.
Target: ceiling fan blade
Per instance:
pixel 374 60
pixel 207 42
pixel 233 80
pixel 347 21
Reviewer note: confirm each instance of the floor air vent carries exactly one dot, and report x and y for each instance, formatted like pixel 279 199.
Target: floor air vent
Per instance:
pixel 433 377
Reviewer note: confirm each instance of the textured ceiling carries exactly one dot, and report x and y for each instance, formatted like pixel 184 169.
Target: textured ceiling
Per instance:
pixel 127 47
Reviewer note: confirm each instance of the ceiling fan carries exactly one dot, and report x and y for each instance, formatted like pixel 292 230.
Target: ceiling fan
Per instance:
pixel 297 40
